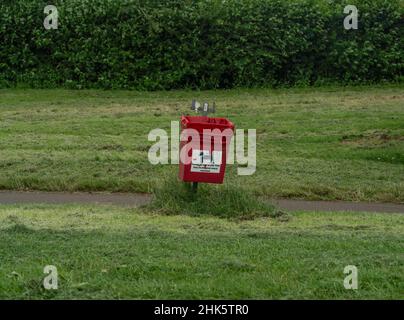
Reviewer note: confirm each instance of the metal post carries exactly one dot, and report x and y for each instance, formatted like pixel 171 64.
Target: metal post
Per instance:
pixel 194 187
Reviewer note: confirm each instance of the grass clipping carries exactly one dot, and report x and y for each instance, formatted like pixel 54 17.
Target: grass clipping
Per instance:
pixel 175 197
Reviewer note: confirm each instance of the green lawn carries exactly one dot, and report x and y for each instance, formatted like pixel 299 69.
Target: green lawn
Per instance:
pixel 328 143
pixel 110 252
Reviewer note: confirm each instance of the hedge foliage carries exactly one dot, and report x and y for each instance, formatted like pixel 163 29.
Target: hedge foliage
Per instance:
pixel 167 44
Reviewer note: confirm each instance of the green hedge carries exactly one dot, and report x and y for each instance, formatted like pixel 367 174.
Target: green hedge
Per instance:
pixel 169 44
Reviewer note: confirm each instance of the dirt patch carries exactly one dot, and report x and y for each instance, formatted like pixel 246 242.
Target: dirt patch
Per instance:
pixel 372 139
pixel 337 227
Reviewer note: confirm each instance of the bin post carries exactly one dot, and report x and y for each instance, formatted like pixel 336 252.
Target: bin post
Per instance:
pixel 194 187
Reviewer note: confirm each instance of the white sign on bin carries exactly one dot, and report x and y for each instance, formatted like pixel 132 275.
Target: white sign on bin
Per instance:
pixel 205 161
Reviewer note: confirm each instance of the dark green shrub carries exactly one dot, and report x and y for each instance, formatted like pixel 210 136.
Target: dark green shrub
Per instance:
pixel 169 44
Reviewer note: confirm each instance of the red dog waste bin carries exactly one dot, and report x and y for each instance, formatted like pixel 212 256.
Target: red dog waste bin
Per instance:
pixel 204 146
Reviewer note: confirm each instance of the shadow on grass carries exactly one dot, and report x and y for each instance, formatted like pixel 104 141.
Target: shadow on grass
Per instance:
pixel 176 197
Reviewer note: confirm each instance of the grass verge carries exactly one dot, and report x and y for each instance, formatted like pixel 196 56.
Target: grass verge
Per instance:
pixel 335 143
pixel 107 252
pixel 175 197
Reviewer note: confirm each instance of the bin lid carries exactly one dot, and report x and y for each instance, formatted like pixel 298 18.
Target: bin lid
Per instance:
pixel 204 122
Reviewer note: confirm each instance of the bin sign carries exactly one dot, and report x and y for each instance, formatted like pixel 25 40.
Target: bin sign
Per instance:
pixel 204 146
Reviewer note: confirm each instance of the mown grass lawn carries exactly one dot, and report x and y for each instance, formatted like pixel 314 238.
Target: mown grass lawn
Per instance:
pixel 328 143
pixel 111 252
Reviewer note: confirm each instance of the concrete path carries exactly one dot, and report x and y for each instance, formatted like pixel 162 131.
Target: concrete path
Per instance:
pixel 135 199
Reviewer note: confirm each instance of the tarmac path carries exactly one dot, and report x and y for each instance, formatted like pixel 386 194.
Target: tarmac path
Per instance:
pixel 138 199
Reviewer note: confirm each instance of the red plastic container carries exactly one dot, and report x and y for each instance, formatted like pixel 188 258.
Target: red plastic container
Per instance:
pixel 203 148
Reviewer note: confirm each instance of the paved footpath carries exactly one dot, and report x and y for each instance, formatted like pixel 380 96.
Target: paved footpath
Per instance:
pixel 138 199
